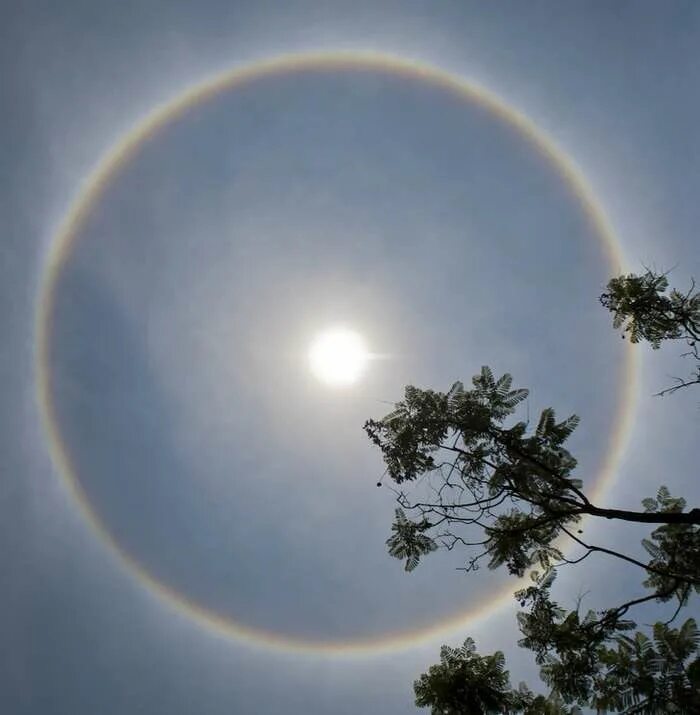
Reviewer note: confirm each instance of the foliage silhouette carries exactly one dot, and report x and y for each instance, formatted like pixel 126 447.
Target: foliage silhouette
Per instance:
pixel 642 309
pixel 507 494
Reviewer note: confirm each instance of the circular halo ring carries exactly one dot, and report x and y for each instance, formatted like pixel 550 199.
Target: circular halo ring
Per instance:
pixel 120 153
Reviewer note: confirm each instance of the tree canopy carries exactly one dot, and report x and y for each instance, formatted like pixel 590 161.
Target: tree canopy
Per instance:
pixel 641 307
pixel 506 493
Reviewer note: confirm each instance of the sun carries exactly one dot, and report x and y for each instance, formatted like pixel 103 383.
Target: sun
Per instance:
pixel 338 357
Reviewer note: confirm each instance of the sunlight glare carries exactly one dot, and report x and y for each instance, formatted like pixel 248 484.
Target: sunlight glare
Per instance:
pixel 338 357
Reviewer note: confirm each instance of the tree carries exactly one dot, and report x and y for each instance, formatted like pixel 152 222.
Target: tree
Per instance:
pixel 465 682
pixel 639 676
pixel 642 675
pixel 642 309
pixel 507 494
pixel 464 679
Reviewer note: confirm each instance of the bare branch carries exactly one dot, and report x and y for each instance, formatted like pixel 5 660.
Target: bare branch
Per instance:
pixel 629 559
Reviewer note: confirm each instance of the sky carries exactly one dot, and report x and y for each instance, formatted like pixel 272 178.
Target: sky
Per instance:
pixel 182 314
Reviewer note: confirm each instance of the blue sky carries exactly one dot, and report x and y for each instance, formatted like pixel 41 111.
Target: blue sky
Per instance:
pixel 239 231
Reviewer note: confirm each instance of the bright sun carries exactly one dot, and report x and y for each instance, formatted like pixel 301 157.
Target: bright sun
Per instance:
pixel 338 357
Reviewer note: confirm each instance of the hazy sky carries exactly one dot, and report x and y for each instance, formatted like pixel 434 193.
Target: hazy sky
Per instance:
pixel 207 450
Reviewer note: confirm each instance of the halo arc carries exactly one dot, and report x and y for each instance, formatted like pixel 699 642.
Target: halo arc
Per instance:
pixel 119 154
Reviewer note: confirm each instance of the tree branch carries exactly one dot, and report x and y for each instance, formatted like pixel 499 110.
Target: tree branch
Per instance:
pixel 624 557
pixel 645 517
